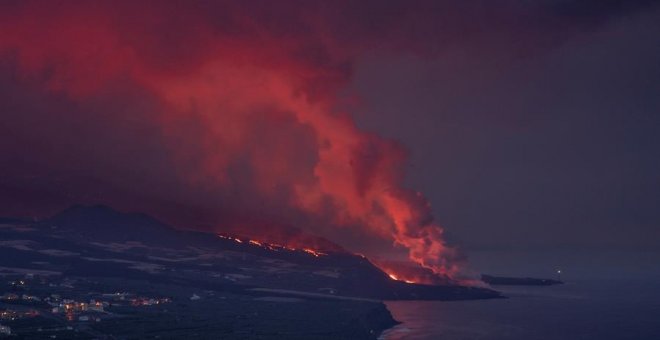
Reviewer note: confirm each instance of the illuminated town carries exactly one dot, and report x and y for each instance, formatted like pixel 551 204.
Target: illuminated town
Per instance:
pixel 69 310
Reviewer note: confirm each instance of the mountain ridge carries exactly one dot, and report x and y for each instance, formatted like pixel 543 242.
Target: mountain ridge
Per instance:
pixel 136 244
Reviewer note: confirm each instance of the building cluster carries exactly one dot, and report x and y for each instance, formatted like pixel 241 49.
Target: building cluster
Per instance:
pixel 5 330
pixel 118 296
pixel 10 314
pixel 69 309
pixel 143 301
pixel 9 297
pixel 14 297
pixel 133 300
pixel 71 306
pixel 18 283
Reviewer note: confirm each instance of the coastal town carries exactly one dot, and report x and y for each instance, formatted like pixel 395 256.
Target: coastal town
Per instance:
pixel 130 275
pixel 32 304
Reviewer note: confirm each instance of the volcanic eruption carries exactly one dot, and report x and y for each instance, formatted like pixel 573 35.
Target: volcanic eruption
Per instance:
pixel 245 103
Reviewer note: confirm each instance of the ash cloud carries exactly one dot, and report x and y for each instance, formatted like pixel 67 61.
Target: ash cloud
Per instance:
pixel 218 114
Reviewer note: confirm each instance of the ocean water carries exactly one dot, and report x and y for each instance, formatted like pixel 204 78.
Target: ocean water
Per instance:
pixel 603 309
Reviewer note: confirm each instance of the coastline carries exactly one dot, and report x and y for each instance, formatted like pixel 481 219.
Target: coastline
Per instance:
pixel 384 334
pixel 585 309
pixel 378 321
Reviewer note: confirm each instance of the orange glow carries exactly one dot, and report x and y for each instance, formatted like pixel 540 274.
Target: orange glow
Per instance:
pixel 395 278
pixel 313 252
pixel 273 246
pixel 255 99
pixel 411 272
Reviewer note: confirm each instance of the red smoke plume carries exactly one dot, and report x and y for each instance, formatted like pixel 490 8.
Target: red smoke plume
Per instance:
pixel 247 101
pixel 411 272
pixel 244 97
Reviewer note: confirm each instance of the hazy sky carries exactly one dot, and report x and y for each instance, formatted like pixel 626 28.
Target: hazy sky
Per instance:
pixel 515 124
pixel 559 148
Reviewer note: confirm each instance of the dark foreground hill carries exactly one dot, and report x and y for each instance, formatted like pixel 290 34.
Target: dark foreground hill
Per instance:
pixel 101 232
pixel 213 281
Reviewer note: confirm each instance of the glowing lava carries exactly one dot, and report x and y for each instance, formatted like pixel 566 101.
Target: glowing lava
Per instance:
pixel 395 278
pixel 273 246
pixel 247 109
pixel 410 272
pixel 313 252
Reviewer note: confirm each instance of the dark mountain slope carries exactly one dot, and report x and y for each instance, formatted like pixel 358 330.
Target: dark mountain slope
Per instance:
pixel 100 241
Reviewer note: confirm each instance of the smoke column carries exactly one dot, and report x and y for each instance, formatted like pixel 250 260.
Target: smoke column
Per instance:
pixel 233 106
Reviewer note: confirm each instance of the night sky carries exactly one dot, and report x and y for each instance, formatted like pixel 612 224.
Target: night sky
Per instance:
pixel 514 125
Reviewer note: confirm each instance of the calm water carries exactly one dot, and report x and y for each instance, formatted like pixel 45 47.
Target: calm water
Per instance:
pixel 577 310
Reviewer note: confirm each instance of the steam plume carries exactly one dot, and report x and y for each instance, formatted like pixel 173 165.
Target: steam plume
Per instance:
pixel 244 97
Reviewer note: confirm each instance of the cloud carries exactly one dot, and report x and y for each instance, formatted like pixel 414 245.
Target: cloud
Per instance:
pixel 226 113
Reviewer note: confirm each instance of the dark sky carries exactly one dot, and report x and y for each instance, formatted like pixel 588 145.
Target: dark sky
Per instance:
pixel 557 149
pixel 513 125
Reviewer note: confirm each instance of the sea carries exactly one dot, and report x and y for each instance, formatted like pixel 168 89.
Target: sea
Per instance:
pixel 578 309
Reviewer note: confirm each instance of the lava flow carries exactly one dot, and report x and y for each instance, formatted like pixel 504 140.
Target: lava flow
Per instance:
pixel 242 117
pixel 398 271
pixel 411 273
pixel 272 246
pixel 395 278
